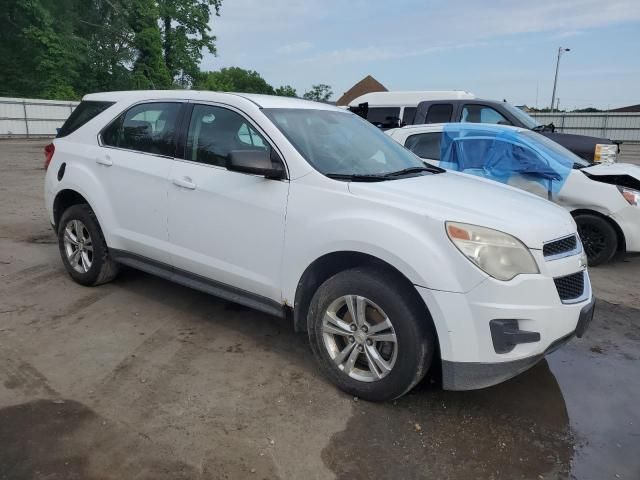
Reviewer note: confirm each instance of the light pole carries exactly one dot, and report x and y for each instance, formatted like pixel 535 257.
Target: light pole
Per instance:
pixel 555 80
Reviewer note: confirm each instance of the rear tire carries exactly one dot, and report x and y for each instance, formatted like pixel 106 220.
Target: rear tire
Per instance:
pixel 366 356
pixel 83 248
pixel 599 238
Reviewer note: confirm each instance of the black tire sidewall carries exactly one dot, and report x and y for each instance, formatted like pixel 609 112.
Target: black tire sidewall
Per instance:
pixel 86 216
pixel 611 237
pixel 414 333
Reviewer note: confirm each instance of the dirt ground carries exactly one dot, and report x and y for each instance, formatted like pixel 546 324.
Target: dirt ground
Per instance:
pixel 144 379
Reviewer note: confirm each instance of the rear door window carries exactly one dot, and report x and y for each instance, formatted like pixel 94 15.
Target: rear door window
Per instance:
pixel 439 113
pixel 148 128
pixel 384 117
pixel 81 115
pixel 214 132
pixel 482 114
pixel 425 145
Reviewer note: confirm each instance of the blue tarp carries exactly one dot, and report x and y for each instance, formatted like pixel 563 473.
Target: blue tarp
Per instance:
pixel 499 153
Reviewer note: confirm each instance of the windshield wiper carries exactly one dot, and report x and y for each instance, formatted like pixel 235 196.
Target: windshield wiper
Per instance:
pixel 354 177
pixel 410 170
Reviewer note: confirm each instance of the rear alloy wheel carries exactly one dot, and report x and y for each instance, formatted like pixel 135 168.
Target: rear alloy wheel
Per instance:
pixel 78 246
pixel 599 238
pixel 83 248
pixel 370 334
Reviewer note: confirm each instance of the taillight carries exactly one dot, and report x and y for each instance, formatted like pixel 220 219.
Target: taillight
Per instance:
pixel 48 154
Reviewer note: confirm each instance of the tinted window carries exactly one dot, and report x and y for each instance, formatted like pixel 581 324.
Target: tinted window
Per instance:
pixel 215 132
pixel 81 115
pixel 439 113
pixel 384 117
pixel 149 127
pixel 425 145
pixel 482 114
pixel 408 115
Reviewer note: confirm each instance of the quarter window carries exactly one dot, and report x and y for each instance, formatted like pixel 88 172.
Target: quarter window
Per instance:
pixel 83 113
pixel 148 127
pixel 439 113
pixel 425 145
pixel 482 114
pixel 214 132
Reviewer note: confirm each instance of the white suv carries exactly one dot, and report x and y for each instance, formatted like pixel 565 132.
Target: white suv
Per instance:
pixel 306 211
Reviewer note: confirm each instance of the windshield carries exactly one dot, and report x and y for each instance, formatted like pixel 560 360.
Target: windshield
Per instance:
pixel 523 117
pixel 341 143
pixel 555 149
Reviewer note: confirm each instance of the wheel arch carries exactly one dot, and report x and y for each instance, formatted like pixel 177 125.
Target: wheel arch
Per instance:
pixel 622 243
pixel 64 199
pixel 332 263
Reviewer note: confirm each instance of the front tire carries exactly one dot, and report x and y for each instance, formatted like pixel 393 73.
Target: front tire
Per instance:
pixel 83 248
pixel 599 238
pixel 370 336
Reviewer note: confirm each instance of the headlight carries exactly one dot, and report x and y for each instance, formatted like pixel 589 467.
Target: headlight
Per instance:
pixel 605 153
pixel 630 195
pixel 496 253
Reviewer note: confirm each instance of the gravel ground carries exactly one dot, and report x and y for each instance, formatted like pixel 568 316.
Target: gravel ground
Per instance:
pixel 145 379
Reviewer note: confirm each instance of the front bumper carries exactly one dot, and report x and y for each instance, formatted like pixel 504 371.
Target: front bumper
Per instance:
pixel 471 376
pixel 470 356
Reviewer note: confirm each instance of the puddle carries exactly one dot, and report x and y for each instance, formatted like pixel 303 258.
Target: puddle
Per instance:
pixel 574 415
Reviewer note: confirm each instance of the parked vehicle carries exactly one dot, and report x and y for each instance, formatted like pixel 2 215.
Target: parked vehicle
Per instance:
pixel 604 199
pixel 305 211
pixel 416 108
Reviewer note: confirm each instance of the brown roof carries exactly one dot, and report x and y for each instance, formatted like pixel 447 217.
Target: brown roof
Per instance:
pixel 367 85
pixel 629 109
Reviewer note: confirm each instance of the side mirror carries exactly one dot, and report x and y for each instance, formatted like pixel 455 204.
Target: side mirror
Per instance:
pixel 257 162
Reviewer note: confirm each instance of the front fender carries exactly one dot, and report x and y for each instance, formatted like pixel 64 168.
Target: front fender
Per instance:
pixel 415 245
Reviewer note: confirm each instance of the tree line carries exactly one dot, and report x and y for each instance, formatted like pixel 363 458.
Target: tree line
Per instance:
pixel 63 49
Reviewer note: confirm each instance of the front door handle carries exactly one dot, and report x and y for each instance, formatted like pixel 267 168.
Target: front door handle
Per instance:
pixel 104 160
pixel 184 182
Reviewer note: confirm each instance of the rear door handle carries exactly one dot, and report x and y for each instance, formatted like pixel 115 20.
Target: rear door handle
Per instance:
pixel 184 182
pixel 104 160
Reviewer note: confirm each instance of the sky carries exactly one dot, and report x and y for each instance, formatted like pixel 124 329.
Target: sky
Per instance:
pixel 498 49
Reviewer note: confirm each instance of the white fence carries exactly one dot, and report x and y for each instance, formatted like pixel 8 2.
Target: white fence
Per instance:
pixel 26 117
pixel 616 126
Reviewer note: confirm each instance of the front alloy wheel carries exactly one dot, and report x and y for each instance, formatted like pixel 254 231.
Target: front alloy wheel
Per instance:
pixel 359 338
pixel 370 333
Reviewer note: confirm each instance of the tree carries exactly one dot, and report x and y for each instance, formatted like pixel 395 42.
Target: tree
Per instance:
pixel 185 34
pixel 319 93
pixel 286 91
pixel 66 48
pixel 149 69
pixel 234 79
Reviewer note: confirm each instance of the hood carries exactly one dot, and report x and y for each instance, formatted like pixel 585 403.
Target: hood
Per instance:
pixel 623 174
pixel 459 197
pixel 582 145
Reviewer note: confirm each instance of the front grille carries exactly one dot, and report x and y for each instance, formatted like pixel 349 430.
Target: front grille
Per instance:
pixel 570 287
pixel 557 247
